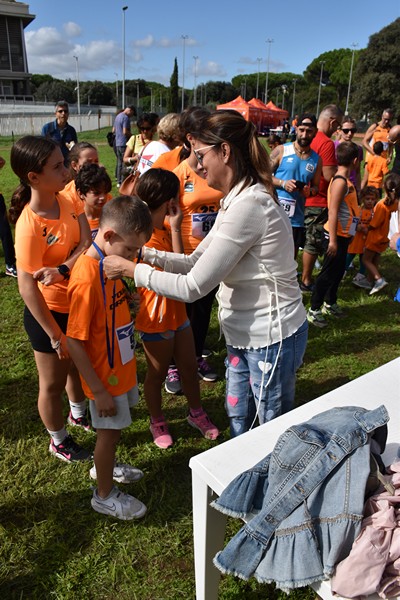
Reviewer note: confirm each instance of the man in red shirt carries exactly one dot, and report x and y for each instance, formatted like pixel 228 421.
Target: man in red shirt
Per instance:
pixel 316 209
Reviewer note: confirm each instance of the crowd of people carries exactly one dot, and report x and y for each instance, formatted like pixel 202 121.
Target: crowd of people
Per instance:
pixel 213 216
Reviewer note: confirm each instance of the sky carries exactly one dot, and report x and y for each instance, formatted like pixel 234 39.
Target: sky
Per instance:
pixel 227 38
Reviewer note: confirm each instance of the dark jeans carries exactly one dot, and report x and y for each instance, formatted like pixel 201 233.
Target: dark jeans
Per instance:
pixel 6 235
pixel 330 276
pixel 199 313
pixel 119 151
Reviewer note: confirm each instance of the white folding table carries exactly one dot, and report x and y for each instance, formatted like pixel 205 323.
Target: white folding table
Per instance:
pixel 214 469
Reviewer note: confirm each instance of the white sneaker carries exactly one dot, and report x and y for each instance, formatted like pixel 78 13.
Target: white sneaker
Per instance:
pixel 121 473
pixel 361 281
pixel 379 284
pixel 119 505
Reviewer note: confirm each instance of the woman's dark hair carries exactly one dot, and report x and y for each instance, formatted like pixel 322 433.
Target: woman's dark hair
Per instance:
pixel 151 118
pixel 30 153
pixel 157 186
pixel 75 153
pixel 190 121
pixel 92 177
pixel 251 161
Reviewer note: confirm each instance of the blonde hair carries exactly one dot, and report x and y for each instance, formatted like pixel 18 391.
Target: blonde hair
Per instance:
pixel 168 129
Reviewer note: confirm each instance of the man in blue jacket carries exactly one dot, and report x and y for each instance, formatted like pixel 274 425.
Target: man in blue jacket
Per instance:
pixel 60 131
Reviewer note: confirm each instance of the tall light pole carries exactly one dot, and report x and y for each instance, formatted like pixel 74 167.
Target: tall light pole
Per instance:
pixel 78 95
pixel 354 46
pixel 258 76
pixel 320 84
pixel 269 42
pixel 284 91
pixel 124 9
pixel 116 90
pixel 294 96
pixel 196 58
pixel 184 38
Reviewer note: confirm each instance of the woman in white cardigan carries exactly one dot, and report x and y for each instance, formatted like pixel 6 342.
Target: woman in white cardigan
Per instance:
pixel 249 252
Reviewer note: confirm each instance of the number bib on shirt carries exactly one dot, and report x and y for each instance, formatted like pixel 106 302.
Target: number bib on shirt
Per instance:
pixel 202 224
pixel 126 342
pixel 288 205
pixel 353 226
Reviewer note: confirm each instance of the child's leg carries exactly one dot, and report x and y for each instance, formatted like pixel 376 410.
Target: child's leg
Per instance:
pixel 185 357
pixel 158 357
pixel 52 379
pixel 349 259
pixel 362 268
pixel 337 270
pixel 73 386
pixel 104 458
pixel 370 260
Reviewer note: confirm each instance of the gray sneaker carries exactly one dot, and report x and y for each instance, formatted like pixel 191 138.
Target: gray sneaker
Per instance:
pixel 379 285
pixel 122 473
pixel 361 281
pixel 315 317
pixel 119 505
pixel 333 310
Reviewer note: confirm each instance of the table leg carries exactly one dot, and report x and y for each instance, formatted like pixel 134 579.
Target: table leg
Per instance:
pixel 208 532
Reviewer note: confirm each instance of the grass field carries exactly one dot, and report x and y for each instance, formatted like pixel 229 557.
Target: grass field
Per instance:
pixel 53 545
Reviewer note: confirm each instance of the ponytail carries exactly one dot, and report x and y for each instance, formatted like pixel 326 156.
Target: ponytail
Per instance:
pixel 19 199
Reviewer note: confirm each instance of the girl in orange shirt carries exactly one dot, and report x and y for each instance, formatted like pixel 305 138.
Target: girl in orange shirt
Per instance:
pixel 162 322
pixel 51 232
pixel 81 154
pixel 377 238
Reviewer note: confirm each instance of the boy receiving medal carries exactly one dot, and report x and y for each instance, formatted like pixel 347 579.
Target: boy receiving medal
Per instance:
pixel 101 342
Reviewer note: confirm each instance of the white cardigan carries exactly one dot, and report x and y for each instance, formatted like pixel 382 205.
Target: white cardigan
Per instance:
pixel 249 252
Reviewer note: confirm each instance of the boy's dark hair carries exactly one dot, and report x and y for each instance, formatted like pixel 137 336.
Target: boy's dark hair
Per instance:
pixel 127 214
pixel 391 185
pixel 346 152
pixel 369 190
pixel 92 177
pixel 157 186
pixel 378 148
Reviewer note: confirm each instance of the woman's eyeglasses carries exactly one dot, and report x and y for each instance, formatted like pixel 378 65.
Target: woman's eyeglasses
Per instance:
pixel 349 129
pixel 200 157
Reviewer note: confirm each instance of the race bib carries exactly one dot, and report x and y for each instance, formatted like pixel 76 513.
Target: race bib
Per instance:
pixel 126 342
pixel 353 226
pixel 288 205
pixel 202 224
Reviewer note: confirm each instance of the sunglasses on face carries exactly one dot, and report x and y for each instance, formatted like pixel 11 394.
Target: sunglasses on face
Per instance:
pixel 349 129
pixel 63 111
pixel 200 157
pixel 145 128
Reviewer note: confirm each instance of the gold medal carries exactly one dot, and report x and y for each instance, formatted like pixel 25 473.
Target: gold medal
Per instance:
pixel 113 380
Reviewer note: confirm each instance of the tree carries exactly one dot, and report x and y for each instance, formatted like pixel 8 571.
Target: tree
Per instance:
pixel 377 74
pixel 173 99
pixel 52 91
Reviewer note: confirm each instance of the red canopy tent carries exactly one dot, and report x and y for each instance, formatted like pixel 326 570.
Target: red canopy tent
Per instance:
pixel 247 110
pixel 262 115
pixel 279 114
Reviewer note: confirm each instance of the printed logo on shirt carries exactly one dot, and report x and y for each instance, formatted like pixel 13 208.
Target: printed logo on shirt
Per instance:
pixel 52 239
pixel 290 159
pixel 310 167
pixel 73 215
pixel 189 186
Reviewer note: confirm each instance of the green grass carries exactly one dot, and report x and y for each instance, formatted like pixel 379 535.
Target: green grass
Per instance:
pixel 53 545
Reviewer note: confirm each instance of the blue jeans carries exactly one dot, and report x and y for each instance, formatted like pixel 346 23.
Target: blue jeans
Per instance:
pixel 119 151
pixel 244 377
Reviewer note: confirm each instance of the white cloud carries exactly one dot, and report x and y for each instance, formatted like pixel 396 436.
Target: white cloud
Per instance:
pixel 72 29
pixel 146 42
pixel 211 69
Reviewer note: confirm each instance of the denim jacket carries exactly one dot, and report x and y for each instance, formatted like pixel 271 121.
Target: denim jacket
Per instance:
pixel 308 495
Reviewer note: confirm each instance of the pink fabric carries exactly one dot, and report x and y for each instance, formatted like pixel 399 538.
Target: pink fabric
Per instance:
pixel 373 565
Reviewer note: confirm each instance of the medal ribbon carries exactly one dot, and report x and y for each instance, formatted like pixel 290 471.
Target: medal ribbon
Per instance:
pixel 110 344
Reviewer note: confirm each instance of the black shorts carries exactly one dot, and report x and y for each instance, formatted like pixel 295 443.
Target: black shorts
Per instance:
pixel 38 337
pixel 299 237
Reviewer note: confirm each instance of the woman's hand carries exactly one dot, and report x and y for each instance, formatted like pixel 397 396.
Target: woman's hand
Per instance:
pixel 60 346
pixel 175 215
pixel 48 275
pixel 116 267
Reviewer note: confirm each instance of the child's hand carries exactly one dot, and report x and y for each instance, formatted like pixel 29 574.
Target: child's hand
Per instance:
pixel 175 214
pixel 105 404
pixel 332 249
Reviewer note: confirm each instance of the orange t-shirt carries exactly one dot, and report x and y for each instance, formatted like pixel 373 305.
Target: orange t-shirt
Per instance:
pixel 168 160
pixel 95 222
pixel 358 242
pixel 377 238
pixel 199 204
pixel 157 313
pixel 377 168
pixel 87 323
pixel 70 191
pixel 380 135
pixel 41 242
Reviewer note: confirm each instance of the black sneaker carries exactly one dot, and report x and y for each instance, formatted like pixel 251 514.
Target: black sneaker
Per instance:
pixel 69 451
pixel 11 271
pixel 173 381
pixel 79 422
pixel 205 371
pixel 306 288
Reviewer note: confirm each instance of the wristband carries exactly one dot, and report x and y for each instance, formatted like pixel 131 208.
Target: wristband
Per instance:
pixel 56 345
